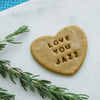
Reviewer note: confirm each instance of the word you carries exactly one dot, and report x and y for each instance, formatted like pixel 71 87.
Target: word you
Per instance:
pixel 62 49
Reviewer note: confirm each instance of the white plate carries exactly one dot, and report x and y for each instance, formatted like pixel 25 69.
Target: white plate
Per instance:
pixel 47 17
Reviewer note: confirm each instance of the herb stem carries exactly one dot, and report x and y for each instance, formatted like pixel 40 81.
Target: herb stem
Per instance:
pixel 11 37
pixel 44 87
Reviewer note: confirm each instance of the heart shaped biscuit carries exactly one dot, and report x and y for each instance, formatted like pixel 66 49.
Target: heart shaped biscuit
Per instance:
pixel 63 53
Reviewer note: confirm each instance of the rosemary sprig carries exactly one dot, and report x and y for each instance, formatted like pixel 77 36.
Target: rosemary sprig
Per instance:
pixel 10 38
pixel 44 87
pixel 5 96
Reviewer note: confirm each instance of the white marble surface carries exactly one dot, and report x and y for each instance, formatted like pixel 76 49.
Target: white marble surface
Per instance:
pixel 47 17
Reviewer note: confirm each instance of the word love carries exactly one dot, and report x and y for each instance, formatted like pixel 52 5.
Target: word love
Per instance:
pixel 67 57
pixel 56 42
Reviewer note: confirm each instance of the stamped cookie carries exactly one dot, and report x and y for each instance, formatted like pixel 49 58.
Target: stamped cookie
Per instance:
pixel 63 53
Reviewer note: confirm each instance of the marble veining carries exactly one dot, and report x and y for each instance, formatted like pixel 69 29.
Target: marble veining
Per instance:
pixel 47 17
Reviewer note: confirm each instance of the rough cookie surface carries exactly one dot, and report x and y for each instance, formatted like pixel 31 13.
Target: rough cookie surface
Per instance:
pixel 63 53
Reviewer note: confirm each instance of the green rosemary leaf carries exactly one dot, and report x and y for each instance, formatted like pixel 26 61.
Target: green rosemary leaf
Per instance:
pixel 28 74
pixel 59 89
pixel 23 83
pixel 5 62
pixel 2 89
pixel 12 41
pixel 5 96
pixel 45 82
pixel 2 46
pixel 11 75
pixel 2 72
pixel 17 69
pixel 35 76
pixel 83 96
pixel 31 86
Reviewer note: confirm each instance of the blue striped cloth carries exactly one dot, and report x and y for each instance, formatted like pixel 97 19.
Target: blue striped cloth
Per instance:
pixel 5 4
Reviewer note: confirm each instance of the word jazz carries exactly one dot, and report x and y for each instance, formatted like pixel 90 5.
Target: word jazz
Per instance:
pixel 67 57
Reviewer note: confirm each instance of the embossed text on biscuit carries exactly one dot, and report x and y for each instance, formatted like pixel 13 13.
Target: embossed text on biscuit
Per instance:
pixel 63 48
pixel 58 41
pixel 67 57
